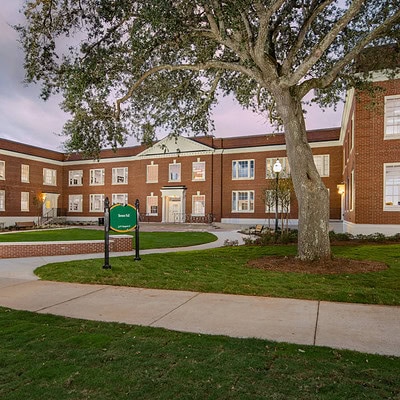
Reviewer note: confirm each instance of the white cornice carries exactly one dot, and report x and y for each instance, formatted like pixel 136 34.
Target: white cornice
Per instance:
pixel 30 157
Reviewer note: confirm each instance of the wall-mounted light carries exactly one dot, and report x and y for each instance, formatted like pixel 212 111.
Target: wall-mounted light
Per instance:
pixel 341 188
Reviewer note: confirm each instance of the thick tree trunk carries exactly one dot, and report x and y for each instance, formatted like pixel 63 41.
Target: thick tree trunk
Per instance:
pixel 311 193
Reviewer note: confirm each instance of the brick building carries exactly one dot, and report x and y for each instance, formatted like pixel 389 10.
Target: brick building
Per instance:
pixel 206 178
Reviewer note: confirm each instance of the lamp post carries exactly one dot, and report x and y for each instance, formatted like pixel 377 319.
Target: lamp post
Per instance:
pixel 277 168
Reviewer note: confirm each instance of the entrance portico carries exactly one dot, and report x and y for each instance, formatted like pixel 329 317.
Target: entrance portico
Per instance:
pixel 173 204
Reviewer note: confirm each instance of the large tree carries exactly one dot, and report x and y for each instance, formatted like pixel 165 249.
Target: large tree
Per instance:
pixel 131 67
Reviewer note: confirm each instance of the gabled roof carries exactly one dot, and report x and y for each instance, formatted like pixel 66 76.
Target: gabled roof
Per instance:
pixel 175 146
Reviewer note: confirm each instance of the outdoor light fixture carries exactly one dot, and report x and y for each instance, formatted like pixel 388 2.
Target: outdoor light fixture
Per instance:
pixel 341 188
pixel 277 168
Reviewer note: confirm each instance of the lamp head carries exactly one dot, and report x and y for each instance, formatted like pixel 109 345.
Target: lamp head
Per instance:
pixel 277 167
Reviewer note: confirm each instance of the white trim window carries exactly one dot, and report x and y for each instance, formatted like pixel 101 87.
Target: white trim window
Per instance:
pixel 2 170
pixel 49 177
pixel 96 203
pixel 75 177
pixel 243 169
pixel 24 201
pixel 269 167
pixel 119 198
pixel 198 170
pixel 25 173
pixel 243 201
pixel 120 176
pixel 392 117
pixel 174 172
pixel 322 164
pixel 97 176
pixel 198 205
pixel 152 173
pixel 75 203
pixel 152 204
pixel 2 200
pixel 392 187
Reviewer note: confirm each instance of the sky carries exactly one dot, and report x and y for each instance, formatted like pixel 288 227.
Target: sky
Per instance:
pixel 26 118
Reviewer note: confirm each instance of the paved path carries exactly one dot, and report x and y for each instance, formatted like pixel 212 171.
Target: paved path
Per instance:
pixel 366 328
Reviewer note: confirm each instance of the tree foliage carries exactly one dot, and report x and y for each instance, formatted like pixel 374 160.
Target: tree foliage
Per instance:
pixel 124 66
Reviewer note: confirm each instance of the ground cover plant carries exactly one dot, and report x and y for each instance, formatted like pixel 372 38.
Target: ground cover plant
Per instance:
pixel 228 270
pixel 148 240
pixel 52 357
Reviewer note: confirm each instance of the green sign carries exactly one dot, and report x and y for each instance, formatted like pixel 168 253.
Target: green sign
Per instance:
pixel 123 218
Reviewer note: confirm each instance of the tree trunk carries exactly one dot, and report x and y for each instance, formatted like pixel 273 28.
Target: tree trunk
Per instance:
pixel 311 193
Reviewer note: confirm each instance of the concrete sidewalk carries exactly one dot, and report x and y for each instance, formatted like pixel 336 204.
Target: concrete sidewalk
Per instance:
pixel 366 328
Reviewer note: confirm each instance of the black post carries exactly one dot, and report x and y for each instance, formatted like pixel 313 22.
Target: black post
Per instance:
pixel 137 257
pixel 276 202
pixel 106 234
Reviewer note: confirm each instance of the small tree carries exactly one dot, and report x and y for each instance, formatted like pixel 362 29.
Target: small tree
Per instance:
pixel 38 201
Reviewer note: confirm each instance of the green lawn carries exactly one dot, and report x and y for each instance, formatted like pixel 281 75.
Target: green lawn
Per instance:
pixel 49 357
pixel 224 270
pixel 148 240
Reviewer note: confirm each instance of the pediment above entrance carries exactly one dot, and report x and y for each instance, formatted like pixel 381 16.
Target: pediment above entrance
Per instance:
pixel 174 146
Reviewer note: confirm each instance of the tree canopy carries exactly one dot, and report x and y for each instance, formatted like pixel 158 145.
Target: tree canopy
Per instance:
pixel 129 68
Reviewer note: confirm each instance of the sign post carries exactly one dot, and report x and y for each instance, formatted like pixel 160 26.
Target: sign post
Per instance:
pixel 106 234
pixel 137 257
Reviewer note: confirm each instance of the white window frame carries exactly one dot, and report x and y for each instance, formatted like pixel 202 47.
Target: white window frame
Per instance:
pixel 393 190
pixel 322 162
pixel 2 170
pixel 152 173
pixel 97 177
pixel 152 201
pixel 238 203
pixel 119 198
pixel 96 203
pixel 392 118
pixel 24 201
pixel 174 176
pixel 25 173
pixel 198 171
pixel 238 169
pixel 2 200
pixel 269 165
pixel 49 177
pixel 75 203
pixel 120 176
pixel 198 205
pixel 75 177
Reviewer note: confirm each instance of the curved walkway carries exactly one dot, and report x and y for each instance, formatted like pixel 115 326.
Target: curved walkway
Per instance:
pixel 366 328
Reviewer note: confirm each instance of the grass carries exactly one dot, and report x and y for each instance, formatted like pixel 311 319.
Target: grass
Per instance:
pixel 148 240
pixel 224 270
pixel 52 357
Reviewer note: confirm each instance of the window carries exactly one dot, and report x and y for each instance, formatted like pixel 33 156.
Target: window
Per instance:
pixel 243 169
pixel 199 205
pixel 96 202
pixel 152 205
pixel 269 167
pixel 152 173
pixel 199 171
pixel 49 177
pixel 175 172
pixel 120 176
pixel 2 200
pixel 392 117
pixel 392 187
pixel 322 164
pixel 120 198
pixel 76 178
pixel 24 201
pixel 243 201
pixel 2 170
pixel 97 176
pixel 75 203
pixel 270 202
pixel 25 173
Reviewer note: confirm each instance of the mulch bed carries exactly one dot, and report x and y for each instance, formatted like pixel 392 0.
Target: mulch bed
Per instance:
pixel 334 266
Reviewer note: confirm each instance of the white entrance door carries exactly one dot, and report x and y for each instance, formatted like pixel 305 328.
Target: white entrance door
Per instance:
pixel 50 205
pixel 173 204
pixel 174 209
